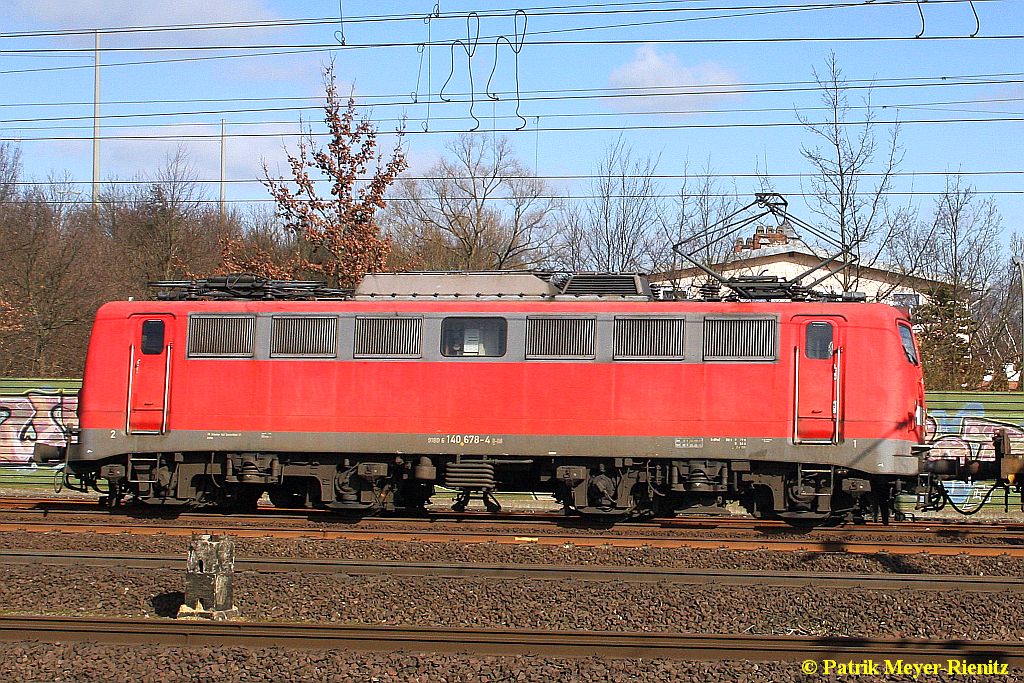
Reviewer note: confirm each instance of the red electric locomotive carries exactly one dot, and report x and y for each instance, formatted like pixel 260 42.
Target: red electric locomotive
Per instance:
pixel 590 387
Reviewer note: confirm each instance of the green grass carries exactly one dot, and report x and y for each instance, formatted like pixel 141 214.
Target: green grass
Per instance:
pixel 27 478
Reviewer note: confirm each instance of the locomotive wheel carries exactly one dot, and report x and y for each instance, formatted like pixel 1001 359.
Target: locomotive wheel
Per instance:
pixel 285 498
pixel 805 519
pixel 246 498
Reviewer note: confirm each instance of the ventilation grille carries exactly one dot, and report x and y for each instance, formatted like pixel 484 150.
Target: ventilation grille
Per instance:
pixel 304 336
pixel 559 337
pixel 642 338
pixel 390 337
pixel 230 336
pixel 603 284
pixel 740 338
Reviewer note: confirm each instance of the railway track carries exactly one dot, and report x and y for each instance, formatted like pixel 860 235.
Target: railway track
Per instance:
pixel 175 633
pixel 1011 532
pixel 789 543
pixel 661 575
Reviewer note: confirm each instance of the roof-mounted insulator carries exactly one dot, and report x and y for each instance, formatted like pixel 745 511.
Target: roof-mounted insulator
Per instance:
pixel 245 288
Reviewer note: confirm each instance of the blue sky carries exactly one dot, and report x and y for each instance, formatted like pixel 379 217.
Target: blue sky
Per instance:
pixel 958 78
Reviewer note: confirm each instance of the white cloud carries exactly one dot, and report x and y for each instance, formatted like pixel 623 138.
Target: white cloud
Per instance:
pixel 247 148
pixel 421 158
pixel 88 14
pixel 106 13
pixel 302 71
pixel 686 89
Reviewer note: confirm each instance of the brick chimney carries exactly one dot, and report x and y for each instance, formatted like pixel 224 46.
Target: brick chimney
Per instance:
pixel 764 236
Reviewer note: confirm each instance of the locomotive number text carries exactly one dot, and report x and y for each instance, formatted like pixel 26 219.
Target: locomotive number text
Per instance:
pixel 466 439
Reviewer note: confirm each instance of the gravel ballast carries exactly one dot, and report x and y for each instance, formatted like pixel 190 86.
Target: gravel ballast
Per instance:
pixel 90 662
pixel 527 604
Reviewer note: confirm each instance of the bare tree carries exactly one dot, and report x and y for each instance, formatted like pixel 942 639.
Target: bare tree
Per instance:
pixel 478 209
pixel 701 205
pixel 614 229
pixel 964 324
pixel 262 246
pixel 50 281
pixel 10 171
pixel 338 236
pixel 853 175
pixel 162 227
pixel 966 229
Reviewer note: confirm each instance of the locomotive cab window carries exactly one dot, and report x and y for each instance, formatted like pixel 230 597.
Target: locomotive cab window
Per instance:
pixel 478 337
pixel 152 337
pixel 907 339
pixel 819 341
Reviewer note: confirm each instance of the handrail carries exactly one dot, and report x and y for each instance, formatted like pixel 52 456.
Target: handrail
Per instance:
pixel 128 402
pixel 837 371
pixel 167 389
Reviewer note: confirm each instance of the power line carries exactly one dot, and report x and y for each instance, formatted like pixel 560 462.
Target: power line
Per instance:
pixel 610 95
pixel 534 43
pixel 588 9
pixel 320 47
pixel 558 177
pixel 549 129
pixel 550 197
pixel 852 83
pixel 925 106
pixel 160 61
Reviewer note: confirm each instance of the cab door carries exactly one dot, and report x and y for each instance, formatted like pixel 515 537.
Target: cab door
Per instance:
pixel 818 380
pixel 149 373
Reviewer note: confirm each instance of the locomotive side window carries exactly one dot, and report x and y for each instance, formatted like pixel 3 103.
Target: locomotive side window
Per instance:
pixel 907 338
pixel 304 336
pixel 388 337
pixel 221 336
pixel 649 338
pixel 819 341
pixel 559 337
pixel 153 337
pixel 740 339
pixel 478 337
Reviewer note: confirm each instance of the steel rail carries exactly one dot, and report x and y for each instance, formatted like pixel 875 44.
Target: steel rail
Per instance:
pixel 717 647
pixel 786 544
pixel 937 528
pixel 663 575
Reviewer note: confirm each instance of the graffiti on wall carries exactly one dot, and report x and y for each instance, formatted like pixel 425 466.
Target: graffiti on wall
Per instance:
pixel 966 433
pixel 34 416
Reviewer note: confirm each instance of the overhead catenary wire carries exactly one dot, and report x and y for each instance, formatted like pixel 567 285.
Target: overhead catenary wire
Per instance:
pixel 697 175
pixel 553 129
pixel 506 198
pixel 269 50
pixel 583 9
pixel 924 106
pixel 624 91
pixel 569 94
pixel 171 60
pixel 531 43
